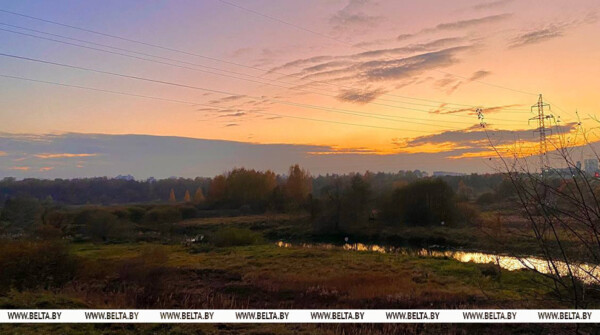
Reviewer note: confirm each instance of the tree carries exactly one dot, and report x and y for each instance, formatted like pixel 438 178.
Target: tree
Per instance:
pixel 199 196
pixel 562 209
pixel 20 213
pixel 356 201
pixel 298 185
pixel 216 192
pixel 423 202
pixel 172 196
pixel 187 197
pixel 464 192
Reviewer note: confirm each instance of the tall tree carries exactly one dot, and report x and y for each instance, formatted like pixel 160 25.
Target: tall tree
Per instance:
pixel 172 196
pixel 199 196
pixel 187 197
pixel 298 185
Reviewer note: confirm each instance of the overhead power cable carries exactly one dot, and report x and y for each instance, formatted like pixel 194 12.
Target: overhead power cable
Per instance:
pixel 204 105
pixel 157 81
pixel 212 58
pixel 355 46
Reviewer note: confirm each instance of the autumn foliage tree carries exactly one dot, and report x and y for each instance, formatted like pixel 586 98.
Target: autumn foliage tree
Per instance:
pixel 243 187
pixel 298 186
pixel 199 196
pixel 172 196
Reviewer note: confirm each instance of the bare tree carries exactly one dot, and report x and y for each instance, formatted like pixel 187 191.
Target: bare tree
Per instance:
pixel 562 209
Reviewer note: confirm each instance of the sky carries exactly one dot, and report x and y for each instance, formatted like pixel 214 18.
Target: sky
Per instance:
pixel 335 85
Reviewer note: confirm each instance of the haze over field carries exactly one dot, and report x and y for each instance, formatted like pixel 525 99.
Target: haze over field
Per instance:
pixel 336 86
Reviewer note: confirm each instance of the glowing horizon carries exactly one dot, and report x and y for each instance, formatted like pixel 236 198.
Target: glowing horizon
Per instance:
pixel 302 87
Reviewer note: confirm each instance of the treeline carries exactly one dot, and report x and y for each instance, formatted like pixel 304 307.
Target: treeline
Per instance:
pixel 105 191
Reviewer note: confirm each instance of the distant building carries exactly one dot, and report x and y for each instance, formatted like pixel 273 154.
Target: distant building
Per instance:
pixel 446 173
pixel 591 166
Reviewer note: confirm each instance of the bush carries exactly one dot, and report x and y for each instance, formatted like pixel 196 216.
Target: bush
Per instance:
pixel 101 225
pixel 32 265
pixel 230 237
pixel 424 202
pixel 486 198
pixel 165 214
pixel 467 213
pixel 188 212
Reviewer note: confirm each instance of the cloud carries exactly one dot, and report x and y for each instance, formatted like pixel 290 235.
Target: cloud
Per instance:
pixel 479 75
pixel 538 36
pixel 352 18
pixel 231 125
pixel 19 168
pixel 236 114
pixel 163 156
pixel 551 31
pixel 464 24
pixel 3 153
pixel 472 110
pixel 492 4
pixel 62 155
pixel 360 96
pixel 449 84
pixel 46 168
pixel 229 98
pixel 458 25
pixel 403 37
pixel 322 65
pixel 408 67
pixel 470 138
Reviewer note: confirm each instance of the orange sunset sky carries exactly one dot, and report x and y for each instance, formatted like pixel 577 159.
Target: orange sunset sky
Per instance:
pixel 377 84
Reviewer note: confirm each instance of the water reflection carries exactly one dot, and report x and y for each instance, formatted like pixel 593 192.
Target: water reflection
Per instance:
pixel 587 273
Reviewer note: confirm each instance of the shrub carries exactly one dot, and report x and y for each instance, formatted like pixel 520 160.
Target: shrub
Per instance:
pixel 424 202
pixel 188 212
pixel 32 265
pixel 486 198
pixel 229 237
pixel 467 213
pixel 164 214
pixel 101 225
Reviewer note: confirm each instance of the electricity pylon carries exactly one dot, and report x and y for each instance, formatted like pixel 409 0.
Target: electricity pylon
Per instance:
pixel 542 130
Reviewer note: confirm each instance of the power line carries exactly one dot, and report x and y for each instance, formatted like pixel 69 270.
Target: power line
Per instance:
pixel 220 74
pixel 201 104
pixel 212 58
pixel 180 61
pixel 355 46
pixel 375 115
pixel 203 88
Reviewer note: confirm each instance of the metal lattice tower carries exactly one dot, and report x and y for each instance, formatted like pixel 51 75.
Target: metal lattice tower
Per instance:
pixel 542 130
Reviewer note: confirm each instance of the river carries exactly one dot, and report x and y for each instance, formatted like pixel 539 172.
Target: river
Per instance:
pixel 588 273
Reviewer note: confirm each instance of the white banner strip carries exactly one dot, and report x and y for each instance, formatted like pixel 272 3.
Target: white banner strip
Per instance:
pixel 298 316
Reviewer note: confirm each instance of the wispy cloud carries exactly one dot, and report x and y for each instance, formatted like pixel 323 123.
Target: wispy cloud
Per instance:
pixel 470 23
pixel 353 19
pixel 551 31
pixel 19 168
pixel 538 36
pixel 458 25
pixel 470 138
pixel 492 4
pixel 62 155
pixel 360 96
pixel 471 110
pixel 479 75
pixel 46 168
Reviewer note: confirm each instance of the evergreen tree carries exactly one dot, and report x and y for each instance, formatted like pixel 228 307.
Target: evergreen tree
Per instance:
pixel 187 197
pixel 172 196
pixel 199 196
